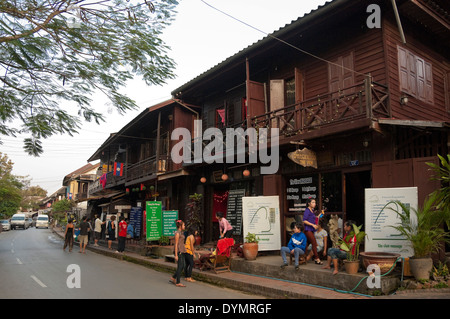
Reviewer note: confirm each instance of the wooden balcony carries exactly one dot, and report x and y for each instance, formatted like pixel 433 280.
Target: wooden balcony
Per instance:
pixel 363 101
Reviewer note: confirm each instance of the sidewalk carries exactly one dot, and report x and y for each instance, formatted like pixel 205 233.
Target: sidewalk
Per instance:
pixel 256 277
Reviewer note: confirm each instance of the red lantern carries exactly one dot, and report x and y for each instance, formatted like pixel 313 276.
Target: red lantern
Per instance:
pixel 246 173
pixel 224 177
pixel 203 179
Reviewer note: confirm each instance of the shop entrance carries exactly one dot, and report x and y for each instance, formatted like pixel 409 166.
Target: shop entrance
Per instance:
pixel 355 184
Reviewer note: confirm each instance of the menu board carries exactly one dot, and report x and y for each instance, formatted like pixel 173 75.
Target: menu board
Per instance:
pixel 136 220
pixel 169 226
pixel 154 220
pixel 298 190
pixel 234 209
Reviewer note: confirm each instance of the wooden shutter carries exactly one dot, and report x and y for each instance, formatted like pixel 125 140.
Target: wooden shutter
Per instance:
pixel 403 70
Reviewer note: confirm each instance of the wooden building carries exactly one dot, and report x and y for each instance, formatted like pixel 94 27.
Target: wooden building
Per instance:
pixel 372 104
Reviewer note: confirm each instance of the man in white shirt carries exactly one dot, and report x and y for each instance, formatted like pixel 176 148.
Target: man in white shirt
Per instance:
pixel 97 229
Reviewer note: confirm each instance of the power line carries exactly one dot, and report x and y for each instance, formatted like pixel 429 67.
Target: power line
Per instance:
pixel 280 40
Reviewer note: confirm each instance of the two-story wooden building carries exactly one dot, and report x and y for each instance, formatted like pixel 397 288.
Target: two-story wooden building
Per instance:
pixel 371 104
pixel 135 163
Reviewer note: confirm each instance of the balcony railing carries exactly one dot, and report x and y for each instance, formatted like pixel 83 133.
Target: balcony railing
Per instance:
pixel 138 172
pixel 364 100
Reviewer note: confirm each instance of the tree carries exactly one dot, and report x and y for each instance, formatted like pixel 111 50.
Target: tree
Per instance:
pixel 10 188
pixel 53 52
pixel 31 197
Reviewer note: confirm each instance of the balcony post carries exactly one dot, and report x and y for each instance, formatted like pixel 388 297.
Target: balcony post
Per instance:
pixel 368 93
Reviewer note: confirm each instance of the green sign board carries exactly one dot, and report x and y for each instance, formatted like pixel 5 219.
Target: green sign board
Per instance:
pixel 154 220
pixel 159 222
pixel 169 226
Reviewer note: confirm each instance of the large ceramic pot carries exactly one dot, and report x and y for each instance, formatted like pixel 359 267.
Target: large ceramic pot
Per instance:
pixel 385 261
pixel 421 267
pixel 351 267
pixel 250 251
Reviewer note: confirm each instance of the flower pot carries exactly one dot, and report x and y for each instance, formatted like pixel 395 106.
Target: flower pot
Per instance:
pixel 351 267
pixel 250 251
pixel 421 267
pixel 385 261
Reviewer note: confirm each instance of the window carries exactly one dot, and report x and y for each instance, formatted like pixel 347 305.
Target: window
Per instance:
pixel 415 75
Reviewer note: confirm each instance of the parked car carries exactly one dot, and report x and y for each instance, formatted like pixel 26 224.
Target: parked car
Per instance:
pixel 42 221
pixel 20 221
pixel 6 225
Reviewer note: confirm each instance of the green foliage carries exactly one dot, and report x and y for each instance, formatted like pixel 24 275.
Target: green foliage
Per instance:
pixel 352 243
pixel 10 188
pixel 57 53
pixel 420 226
pixel 193 212
pixel 442 195
pixel 251 238
pixel 63 205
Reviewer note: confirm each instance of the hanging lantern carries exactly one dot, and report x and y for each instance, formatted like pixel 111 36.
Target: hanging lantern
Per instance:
pixel 203 180
pixel 224 177
pixel 246 173
pixel 127 190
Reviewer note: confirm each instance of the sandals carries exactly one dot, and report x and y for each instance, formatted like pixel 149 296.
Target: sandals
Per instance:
pixel 318 262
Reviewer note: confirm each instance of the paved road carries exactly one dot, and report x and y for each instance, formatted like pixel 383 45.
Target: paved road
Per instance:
pixel 34 265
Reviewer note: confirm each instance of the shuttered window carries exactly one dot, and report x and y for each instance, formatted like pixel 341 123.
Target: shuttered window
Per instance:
pixel 415 75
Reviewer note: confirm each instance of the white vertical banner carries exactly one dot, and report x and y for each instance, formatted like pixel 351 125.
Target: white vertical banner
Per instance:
pixel 380 236
pixel 261 216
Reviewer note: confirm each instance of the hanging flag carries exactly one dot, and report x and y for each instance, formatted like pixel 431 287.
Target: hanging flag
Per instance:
pixel 118 169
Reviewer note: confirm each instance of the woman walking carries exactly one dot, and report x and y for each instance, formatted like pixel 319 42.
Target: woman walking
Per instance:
pixel 68 235
pixel 190 251
pixel 180 250
pixel 309 220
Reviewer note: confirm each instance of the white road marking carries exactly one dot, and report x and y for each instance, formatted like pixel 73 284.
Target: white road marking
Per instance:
pixel 18 260
pixel 38 281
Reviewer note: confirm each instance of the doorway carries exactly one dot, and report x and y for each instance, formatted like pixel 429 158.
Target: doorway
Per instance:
pixel 355 185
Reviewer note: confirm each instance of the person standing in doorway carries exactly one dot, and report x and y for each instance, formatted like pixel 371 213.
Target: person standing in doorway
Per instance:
pixel 309 220
pixel 122 234
pixel 68 235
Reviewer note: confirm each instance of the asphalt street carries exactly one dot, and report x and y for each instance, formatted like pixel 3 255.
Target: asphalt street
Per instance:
pixel 33 265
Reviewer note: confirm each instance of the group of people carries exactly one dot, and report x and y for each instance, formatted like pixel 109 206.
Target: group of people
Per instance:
pixel 124 230
pixel 311 238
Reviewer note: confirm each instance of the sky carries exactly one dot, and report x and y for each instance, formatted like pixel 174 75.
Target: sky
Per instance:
pixel 200 38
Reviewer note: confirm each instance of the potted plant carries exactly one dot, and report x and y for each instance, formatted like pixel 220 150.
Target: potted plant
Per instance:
pixel 250 247
pixel 351 246
pixel 422 228
pixel 193 215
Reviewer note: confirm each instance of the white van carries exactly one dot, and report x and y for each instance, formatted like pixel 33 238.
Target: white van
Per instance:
pixel 42 221
pixel 19 220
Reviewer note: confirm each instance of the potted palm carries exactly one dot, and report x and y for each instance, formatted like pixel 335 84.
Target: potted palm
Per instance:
pixel 422 228
pixel 351 246
pixel 250 247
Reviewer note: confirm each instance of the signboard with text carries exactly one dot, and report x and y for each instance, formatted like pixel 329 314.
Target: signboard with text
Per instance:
pixel 379 218
pixel 169 218
pixel 154 220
